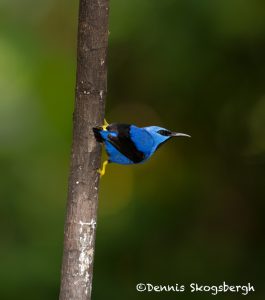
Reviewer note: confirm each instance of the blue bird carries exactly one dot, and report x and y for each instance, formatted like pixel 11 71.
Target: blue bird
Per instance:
pixel 128 144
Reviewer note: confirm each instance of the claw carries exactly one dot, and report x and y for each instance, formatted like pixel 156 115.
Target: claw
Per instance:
pixel 103 170
pixel 106 124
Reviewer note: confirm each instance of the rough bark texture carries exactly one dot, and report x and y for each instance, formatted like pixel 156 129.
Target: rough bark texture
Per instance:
pixel 91 87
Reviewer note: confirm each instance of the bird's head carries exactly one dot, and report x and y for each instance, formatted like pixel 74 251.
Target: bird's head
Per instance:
pixel 161 135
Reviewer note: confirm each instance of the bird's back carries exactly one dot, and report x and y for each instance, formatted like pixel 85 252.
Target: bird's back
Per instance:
pixel 142 139
pixel 125 143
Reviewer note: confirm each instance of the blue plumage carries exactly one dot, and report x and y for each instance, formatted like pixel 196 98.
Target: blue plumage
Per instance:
pixel 115 155
pixel 128 144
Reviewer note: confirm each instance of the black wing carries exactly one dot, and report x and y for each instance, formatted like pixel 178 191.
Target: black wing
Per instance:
pixel 123 142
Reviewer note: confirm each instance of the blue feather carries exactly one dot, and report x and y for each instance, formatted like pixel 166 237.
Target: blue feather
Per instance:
pixel 115 156
pixel 142 139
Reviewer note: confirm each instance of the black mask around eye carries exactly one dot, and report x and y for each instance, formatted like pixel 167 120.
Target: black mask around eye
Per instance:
pixel 164 132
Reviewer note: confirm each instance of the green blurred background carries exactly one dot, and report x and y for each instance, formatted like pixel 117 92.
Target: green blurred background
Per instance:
pixel 195 211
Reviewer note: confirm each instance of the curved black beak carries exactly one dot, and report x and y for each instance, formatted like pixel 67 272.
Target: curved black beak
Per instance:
pixel 175 134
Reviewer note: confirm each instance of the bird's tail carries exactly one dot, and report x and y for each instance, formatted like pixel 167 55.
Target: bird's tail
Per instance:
pixel 97 134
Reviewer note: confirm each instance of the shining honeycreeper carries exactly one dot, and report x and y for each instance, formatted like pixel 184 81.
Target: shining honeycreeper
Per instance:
pixel 128 144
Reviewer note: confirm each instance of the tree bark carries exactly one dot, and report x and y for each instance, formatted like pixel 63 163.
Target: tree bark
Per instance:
pixel 82 203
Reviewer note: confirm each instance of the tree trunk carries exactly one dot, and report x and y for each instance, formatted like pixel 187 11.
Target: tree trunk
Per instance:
pixel 91 88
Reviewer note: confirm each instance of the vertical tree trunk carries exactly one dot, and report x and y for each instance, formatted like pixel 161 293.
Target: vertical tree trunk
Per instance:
pixel 91 87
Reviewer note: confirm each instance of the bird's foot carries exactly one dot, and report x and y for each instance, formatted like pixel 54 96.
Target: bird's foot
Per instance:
pixel 103 170
pixel 106 124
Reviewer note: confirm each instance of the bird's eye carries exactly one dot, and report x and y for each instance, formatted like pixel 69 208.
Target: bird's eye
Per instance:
pixel 164 132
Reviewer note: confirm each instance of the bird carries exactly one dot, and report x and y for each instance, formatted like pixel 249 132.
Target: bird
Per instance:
pixel 128 144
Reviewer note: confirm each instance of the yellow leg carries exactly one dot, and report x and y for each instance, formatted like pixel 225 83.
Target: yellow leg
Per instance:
pixel 106 124
pixel 103 170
